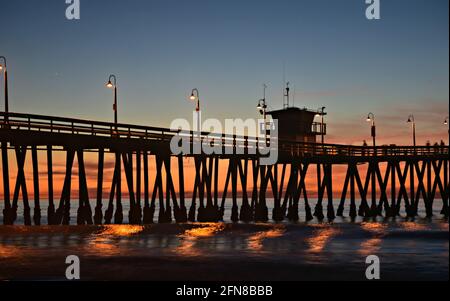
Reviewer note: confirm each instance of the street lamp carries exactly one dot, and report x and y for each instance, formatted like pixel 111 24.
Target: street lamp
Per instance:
pixel 112 84
pixel 371 118
pixel 262 108
pixel 321 113
pixel 195 96
pixel 4 69
pixel 446 123
pixel 413 122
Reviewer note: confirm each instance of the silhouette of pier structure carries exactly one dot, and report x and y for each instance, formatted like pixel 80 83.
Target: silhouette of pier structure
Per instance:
pixel 412 175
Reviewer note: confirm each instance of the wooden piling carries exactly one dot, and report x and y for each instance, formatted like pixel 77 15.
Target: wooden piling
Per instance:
pixel 7 211
pixel 98 216
pixel 37 205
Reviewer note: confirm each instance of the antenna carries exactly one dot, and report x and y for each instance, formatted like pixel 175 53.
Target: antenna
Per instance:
pixel 286 97
pixel 293 97
pixel 284 82
pixel 264 89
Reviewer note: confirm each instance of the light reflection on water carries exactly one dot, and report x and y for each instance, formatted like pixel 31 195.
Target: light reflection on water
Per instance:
pixel 370 246
pixel 121 230
pixel 318 241
pixel 102 247
pixel 107 241
pixel 373 245
pixel 425 244
pixel 443 226
pixel 9 251
pixel 255 241
pixel 412 226
pixel 377 228
pixel 188 240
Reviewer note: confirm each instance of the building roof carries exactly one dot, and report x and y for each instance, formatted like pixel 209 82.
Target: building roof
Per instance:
pixel 294 110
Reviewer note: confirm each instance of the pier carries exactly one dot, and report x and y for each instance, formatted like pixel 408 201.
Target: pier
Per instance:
pixel 412 175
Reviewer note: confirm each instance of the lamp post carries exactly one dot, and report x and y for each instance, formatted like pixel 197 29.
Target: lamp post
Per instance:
pixel 371 118
pixel 4 69
pixel 195 96
pixel 446 123
pixel 413 122
pixel 322 113
pixel 262 108
pixel 112 84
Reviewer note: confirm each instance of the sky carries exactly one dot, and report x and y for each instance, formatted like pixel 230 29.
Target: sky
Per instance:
pixel 161 49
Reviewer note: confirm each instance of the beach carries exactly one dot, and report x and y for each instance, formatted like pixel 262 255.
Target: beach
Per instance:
pixel 408 250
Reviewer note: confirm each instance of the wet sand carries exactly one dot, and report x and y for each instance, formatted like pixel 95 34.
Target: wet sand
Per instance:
pixel 218 251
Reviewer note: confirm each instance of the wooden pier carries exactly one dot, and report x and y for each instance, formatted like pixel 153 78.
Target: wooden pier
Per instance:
pixel 412 175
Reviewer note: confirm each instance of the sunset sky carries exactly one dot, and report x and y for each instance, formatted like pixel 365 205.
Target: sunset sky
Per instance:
pixel 161 49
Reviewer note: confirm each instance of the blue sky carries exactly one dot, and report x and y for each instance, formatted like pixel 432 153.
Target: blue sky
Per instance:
pixel 161 49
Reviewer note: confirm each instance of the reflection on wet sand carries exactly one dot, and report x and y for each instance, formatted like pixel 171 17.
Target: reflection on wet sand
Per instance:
pixel 189 238
pixel 443 226
pixel 103 247
pixel 320 238
pixel 198 250
pixel 10 252
pixel 121 230
pixel 377 228
pixel 103 244
pixel 205 230
pixel 372 245
pixel 255 242
pixel 412 226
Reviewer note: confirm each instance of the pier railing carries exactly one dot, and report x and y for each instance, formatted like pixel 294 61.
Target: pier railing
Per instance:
pixel 239 144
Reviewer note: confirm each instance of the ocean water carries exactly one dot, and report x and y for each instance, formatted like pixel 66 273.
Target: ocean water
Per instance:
pixel 408 250
pixel 437 207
